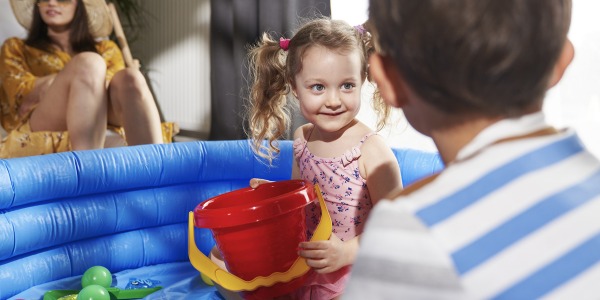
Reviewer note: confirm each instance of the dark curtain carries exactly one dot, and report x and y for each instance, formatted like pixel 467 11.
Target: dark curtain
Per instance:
pixel 236 24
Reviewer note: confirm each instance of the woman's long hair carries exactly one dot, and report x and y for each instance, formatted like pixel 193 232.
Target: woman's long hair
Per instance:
pixel 80 37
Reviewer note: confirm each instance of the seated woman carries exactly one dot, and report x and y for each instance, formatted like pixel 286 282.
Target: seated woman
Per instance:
pixel 63 85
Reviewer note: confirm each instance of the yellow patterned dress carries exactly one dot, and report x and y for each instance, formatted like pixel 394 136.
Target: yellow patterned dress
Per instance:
pixel 20 65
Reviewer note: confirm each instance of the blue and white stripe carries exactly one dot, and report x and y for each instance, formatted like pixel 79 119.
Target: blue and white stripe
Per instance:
pixel 517 220
pixel 520 238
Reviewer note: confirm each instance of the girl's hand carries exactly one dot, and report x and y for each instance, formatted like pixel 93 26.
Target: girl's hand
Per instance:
pixel 255 182
pixel 329 256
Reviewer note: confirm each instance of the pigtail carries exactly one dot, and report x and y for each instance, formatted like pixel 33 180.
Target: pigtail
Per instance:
pixel 269 118
pixel 382 110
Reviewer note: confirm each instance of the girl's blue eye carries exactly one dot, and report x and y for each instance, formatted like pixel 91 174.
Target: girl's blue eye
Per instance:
pixel 317 87
pixel 348 86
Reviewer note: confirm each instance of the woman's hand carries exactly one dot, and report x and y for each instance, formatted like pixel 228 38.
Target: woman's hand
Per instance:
pixel 329 256
pixel 255 182
pixel 32 99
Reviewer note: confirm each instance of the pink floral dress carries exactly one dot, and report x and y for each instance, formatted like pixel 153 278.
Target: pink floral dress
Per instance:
pixel 347 197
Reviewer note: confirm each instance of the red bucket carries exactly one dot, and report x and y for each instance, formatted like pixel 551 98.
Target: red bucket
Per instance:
pixel 258 231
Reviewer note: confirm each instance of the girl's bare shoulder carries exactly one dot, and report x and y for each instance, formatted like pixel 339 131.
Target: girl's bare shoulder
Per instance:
pixel 303 131
pixel 375 148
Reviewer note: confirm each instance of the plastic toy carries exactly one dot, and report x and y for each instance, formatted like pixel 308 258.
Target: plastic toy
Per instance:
pixel 93 292
pixel 136 283
pixel 267 214
pixel 115 293
pixel 97 275
pixel 96 283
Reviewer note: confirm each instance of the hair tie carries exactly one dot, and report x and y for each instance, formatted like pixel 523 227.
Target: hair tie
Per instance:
pixel 360 28
pixel 284 44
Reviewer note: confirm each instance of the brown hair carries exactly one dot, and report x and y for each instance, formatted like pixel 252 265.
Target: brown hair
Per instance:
pixel 486 56
pixel 80 37
pixel 273 70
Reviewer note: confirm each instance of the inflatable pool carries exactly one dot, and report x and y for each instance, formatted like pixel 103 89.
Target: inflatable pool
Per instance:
pixel 127 209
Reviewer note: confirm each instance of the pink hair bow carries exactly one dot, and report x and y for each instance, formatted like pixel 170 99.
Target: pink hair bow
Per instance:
pixel 360 28
pixel 284 44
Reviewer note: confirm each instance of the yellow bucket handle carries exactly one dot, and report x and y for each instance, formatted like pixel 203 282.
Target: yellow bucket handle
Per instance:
pixel 233 283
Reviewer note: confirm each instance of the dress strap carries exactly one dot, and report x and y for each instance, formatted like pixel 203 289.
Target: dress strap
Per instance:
pixel 311 132
pixel 368 135
pixel 300 144
pixel 354 153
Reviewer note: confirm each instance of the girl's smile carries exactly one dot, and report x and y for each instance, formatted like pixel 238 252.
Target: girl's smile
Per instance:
pixel 328 87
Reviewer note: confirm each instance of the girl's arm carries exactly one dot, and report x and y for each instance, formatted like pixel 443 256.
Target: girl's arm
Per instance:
pixel 298 133
pixel 331 255
pixel 380 168
pixel 295 170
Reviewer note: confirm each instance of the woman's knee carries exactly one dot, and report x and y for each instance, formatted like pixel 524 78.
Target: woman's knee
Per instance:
pixel 130 82
pixel 87 66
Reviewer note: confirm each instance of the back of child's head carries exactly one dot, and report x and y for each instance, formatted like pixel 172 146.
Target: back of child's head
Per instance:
pixel 492 57
pixel 275 63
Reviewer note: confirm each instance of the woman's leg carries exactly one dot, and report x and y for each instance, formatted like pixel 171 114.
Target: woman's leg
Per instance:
pixel 75 102
pixel 132 106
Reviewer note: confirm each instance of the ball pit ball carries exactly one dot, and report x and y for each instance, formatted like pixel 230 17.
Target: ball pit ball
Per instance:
pixel 93 292
pixel 98 275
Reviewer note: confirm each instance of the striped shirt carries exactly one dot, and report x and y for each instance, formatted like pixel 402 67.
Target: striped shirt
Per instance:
pixel 516 219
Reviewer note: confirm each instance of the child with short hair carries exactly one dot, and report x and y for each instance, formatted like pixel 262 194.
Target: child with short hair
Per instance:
pixel 324 66
pixel 515 213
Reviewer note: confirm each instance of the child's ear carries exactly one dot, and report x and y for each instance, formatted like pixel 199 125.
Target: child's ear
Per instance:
pixel 566 57
pixel 388 79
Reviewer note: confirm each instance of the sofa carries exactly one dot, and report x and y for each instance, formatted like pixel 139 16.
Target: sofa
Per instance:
pixel 127 209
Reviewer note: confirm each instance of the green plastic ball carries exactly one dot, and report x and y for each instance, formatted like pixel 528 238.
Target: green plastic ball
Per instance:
pixel 93 292
pixel 96 275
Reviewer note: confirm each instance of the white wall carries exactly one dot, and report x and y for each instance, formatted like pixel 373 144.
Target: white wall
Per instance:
pixel 574 102
pixel 9 26
pixel 174 47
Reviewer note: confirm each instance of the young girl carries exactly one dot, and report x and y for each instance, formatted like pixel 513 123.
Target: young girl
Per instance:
pixel 63 85
pixel 324 65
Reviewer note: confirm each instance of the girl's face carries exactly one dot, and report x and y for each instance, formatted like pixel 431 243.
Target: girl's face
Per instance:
pixel 57 14
pixel 329 87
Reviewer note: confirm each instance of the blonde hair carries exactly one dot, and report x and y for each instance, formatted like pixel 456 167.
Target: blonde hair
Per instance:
pixel 273 69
